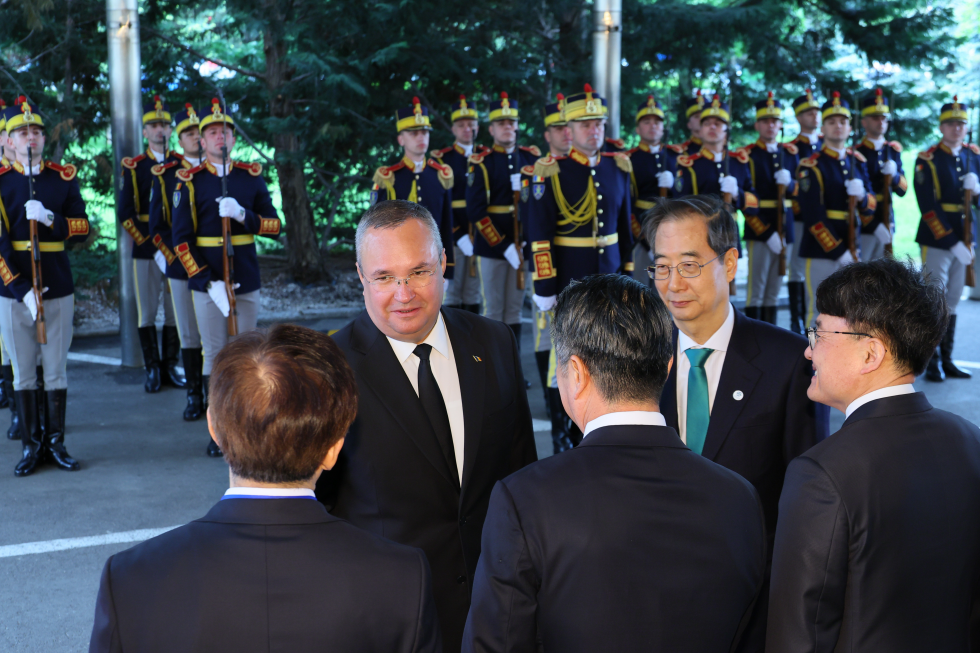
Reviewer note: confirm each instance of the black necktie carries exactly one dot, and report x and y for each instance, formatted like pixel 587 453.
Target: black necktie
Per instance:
pixel 435 407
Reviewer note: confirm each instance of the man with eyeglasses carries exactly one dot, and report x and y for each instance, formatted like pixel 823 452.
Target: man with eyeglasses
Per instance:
pixel 737 393
pixel 878 542
pixel 442 409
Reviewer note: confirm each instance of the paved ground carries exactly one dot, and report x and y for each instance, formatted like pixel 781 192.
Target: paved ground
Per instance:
pixel 144 468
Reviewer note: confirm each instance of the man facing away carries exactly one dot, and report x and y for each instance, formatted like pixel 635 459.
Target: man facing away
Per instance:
pixel 268 568
pixel 878 542
pixel 629 541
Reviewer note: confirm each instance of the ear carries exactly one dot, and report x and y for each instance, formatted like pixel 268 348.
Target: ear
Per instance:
pixel 670 364
pixel 874 356
pixel 445 261
pixel 211 428
pixel 731 263
pixel 332 454
pixel 579 375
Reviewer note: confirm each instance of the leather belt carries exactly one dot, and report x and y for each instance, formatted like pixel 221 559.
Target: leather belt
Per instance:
pixel 771 204
pixel 952 208
pixel 143 217
pixel 837 215
pixel 25 246
pixel 459 204
pixel 500 209
pixel 218 241
pixel 587 241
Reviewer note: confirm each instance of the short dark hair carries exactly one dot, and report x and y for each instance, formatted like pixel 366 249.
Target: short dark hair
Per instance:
pixel 622 332
pixel 389 214
pixel 722 229
pixel 279 401
pixel 891 300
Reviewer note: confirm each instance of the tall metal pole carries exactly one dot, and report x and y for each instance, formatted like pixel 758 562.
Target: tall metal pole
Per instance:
pixel 607 56
pixel 123 30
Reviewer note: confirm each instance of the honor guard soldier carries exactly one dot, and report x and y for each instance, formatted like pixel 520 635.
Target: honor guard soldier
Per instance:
pixel 417 179
pixel 198 207
pixel 147 259
pixel 807 111
pixel 826 180
pixel 772 165
pixel 556 132
pixel 652 177
pixel 41 208
pixel 464 289
pixel 161 234
pixel 693 108
pixel 944 175
pixel 578 221
pixel 717 169
pixel 884 160
pixel 493 184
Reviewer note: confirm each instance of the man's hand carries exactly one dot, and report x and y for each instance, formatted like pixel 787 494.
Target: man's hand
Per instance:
pixel 219 295
pixel 30 301
pixel 512 257
pixel 783 177
pixel 36 211
pixel 228 207
pixel 855 188
pixel 465 245
pixel 665 179
pixel 161 261
pixel 889 169
pixel 775 243
pixel 729 185
pixel 970 182
pixel 962 253
pixel 545 303
pixel 883 234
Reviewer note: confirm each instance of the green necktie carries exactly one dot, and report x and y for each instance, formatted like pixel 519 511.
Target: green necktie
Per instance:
pixel 698 411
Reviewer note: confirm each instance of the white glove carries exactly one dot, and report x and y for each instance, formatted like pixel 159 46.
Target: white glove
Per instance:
pixel 465 245
pixel 970 182
pixel 218 294
pixel 783 177
pixel 228 207
pixel 882 233
pixel 37 212
pixel 161 261
pixel 775 243
pixel 30 301
pixel 845 258
pixel 855 188
pixel 512 257
pixel 545 303
pixel 729 185
pixel 890 168
pixel 963 253
pixel 515 181
pixel 665 179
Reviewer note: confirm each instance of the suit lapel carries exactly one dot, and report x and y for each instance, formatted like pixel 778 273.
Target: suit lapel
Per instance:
pixel 668 398
pixel 382 372
pixel 737 374
pixel 472 382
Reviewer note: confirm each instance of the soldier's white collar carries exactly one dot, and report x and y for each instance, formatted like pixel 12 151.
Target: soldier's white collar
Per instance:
pixel 813 137
pixel 157 156
pixel 467 149
pixel 877 142
pixel 193 161
pixel 419 165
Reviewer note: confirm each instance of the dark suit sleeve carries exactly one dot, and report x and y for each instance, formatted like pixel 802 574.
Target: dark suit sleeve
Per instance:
pixel 809 564
pixel 105 632
pixel 807 422
pixel 503 612
pixel 428 636
pixel 524 451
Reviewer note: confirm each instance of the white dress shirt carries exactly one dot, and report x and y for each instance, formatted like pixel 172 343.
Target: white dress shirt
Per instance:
pixel 419 166
pixel 158 156
pixel 712 367
pixel 880 393
pixel 625 418
pixel 467 149
pixel 878 143
pixel 279 492
pixel 444 369
pixel 193 161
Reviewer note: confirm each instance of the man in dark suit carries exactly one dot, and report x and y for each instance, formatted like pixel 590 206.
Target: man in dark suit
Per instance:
pixel 737 391
pixel 629 541
pixel 268 568
pixel 443 411
pixel 878 543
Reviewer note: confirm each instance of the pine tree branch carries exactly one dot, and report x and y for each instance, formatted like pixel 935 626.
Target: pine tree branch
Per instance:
pixel 201 55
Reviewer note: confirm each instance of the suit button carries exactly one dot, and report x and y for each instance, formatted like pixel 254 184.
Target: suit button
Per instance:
pixel 593 172
pixel 461 579
pixel 601 251
pixel 599 211
pixel 511 167
pixel 598 197
pixel 596 184
pixel 602 224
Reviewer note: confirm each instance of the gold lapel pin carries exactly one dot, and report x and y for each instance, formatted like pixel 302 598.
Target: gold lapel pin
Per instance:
pixel 477 359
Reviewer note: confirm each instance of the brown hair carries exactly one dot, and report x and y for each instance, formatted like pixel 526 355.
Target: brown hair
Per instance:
pixel 279 400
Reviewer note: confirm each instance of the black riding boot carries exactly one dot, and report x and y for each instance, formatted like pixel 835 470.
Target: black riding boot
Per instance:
pixel 54 439
pixel 753 311
pixel 214 451
pixel 559 423
pixel 13 433
pixel 151 358
pixel 171 358
pixel 946 351
pixel 30 432
pixel 934 371
pixel 193 363
pixel 542 358
pixel 795 289
pixel 5 396
pixel 769 314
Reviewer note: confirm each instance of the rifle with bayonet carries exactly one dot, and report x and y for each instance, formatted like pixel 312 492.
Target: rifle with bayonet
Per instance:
pixel 851 199
pixel 36 280
pixel 780 211
pixel 227 249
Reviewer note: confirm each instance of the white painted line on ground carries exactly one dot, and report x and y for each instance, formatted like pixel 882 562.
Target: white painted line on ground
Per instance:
pixel 31 548
pixel 92 358
pixel 541 425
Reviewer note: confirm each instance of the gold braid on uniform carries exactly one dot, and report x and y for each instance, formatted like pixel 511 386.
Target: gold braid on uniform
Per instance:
pixel 579 214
